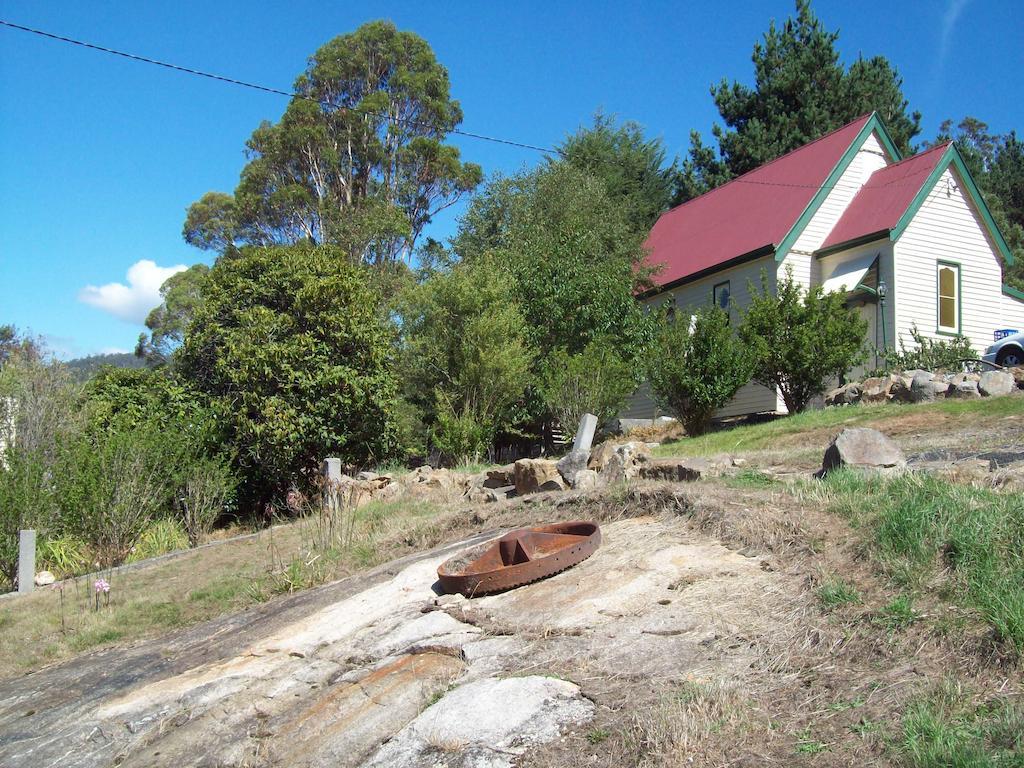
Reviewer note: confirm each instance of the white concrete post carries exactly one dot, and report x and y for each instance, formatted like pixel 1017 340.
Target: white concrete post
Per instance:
pixel 330 469
pixel 26 561
pixel 585 433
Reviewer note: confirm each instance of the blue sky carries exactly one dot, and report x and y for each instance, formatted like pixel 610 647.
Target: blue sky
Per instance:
pixel 99 157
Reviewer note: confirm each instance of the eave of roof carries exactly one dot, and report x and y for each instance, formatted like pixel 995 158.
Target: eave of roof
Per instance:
pixel 707 234
pixel 879 205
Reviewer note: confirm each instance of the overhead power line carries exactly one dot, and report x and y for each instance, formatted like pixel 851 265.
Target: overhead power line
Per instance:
pixel 356 110
pixel 265 88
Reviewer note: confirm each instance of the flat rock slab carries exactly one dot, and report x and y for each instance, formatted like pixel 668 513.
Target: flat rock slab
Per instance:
pixel 349 674
pixel 486 723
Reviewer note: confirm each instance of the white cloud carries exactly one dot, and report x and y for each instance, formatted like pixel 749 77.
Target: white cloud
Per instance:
pixel 949 19
pixel 114 351
pixel 134 301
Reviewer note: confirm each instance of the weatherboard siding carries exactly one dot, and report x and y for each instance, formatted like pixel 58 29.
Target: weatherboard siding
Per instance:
pixel 1011 313
pixel 947 228
pixel 750 399
pixel 869 158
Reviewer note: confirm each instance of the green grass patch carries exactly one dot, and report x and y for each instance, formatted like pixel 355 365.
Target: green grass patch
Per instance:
pixel 834 592
pixel 943 728
pixel 923 530
pixel 898 614
pixel 751 478
pixel 597 735
pixel 806 744
pixel 762 436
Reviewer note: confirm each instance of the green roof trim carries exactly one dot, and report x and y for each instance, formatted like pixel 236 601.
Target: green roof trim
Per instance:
pixel 1009 290
pixel 952 157
pixel 873 124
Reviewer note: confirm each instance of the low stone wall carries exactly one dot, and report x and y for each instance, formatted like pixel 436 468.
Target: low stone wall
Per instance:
pixel 927 386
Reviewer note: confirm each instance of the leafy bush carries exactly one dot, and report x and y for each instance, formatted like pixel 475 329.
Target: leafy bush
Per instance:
pixel 597 380
pixel 207 489
pixel 930 354
pixel 292 349
pixel 116 485
pixel 800 339
pixel 697 367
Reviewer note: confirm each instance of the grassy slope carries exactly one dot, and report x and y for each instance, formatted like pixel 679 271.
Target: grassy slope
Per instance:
pixel 811 426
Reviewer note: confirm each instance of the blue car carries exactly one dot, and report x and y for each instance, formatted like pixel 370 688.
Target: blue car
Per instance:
pixel 1007 352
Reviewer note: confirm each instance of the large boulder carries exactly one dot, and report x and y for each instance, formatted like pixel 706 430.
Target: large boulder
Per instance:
pixel 1018 375
pixel 964 389
pixel 925 387
pixel 675 470
pixel 427 481
pixel 862 448
pixel 574 462
pixel 877 389
pixel 625 462
pixel 996 383
pixel 600 455
pixel 532 475
pixel 587 479
pixel 500 477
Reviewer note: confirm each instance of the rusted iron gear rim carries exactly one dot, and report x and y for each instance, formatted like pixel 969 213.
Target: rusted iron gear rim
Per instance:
pixel 519 557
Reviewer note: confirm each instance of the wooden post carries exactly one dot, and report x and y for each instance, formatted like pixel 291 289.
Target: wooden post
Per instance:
pixel 26 561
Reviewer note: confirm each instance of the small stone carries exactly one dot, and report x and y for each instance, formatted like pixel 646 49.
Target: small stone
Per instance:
pixel 44 578
pixel 862 448
pixel 996 383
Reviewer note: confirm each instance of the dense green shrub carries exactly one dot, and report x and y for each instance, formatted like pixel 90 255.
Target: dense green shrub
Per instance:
pixel 930 354
pixel 464 356
pixel 800 339
pixel 292 349
pixel 461 438
pixel 695 367
pixel 572 259
pixel 597 380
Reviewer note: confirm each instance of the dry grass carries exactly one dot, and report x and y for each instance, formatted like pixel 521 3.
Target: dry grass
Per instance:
pixel 56 623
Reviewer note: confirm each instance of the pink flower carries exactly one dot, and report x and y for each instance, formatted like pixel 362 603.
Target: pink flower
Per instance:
pixel 101 585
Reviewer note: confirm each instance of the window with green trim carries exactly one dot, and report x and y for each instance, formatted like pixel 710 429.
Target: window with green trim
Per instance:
pixel 948 297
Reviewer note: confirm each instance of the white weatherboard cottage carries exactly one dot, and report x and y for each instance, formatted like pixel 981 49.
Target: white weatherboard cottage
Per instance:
pixel 911 243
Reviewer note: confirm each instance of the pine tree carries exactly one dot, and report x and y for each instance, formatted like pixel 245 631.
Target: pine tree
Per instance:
pixel 801 92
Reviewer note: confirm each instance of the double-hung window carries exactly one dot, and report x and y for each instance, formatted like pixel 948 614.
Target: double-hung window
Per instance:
pixel 948 297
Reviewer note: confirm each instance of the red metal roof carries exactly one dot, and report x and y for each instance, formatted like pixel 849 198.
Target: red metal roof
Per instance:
pixel 750 212
pixel 885 197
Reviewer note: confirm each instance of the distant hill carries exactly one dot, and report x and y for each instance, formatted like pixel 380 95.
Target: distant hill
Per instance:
pixel 84 368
